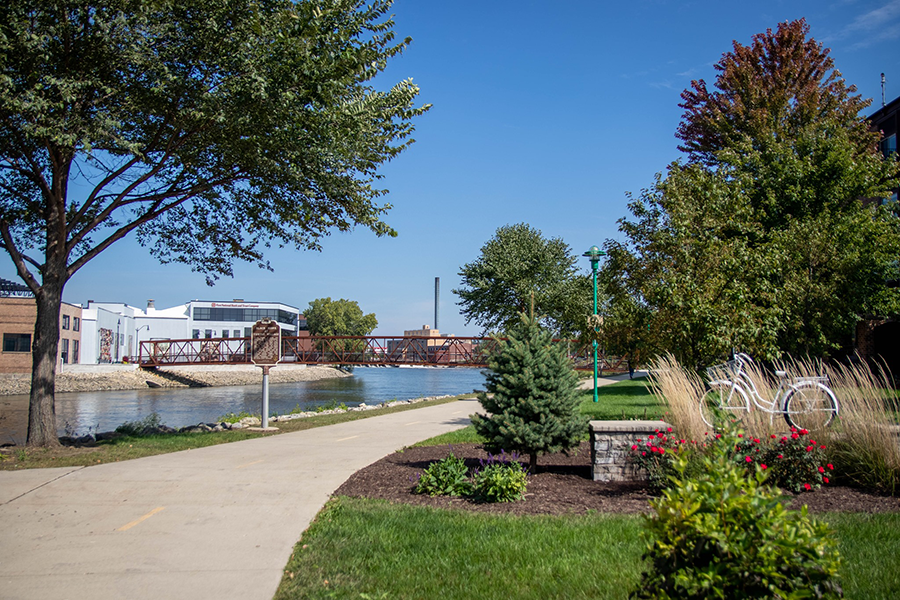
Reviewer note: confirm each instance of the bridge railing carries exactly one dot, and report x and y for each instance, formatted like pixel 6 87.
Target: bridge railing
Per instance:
pixel 351 350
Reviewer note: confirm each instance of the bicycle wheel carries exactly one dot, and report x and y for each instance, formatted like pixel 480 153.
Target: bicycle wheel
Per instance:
pixel 810 406
pixel 724 403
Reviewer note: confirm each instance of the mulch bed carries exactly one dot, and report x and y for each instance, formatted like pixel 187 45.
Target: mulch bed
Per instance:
pixel 563 485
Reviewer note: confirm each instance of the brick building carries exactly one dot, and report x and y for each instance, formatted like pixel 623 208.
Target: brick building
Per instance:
pixel 18 313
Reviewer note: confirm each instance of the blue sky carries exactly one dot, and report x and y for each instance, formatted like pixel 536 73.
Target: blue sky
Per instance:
pixel 543 112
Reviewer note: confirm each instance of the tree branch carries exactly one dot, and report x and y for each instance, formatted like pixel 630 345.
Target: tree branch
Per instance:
pixel 19 259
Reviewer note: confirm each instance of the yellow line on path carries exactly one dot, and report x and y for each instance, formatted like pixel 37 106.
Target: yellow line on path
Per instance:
pixel 144 518
pixel 255 462
pixel 347 438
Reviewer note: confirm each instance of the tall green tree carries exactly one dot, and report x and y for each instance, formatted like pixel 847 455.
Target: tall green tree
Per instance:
pixel 679 281
pixel 531 395
pixel 518 267
pixel 209 130
pixel 800 253
pixel 325 316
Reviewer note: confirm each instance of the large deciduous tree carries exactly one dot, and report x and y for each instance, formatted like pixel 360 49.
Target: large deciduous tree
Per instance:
pixel 325 316
pixel 207 129
pixel 518 267
pixel 796 256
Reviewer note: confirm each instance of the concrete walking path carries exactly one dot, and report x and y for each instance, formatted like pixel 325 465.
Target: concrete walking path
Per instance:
pixel 216 522
pixel 212 523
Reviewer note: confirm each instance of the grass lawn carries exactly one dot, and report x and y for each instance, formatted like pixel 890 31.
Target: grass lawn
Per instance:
pixel 629 399
pixel 371 549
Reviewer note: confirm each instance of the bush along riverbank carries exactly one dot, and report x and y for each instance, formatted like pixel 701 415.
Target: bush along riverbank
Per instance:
pixel 152 426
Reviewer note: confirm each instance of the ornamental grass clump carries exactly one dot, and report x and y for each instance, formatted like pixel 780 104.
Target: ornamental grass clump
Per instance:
pixel 865 439
pixel 721 534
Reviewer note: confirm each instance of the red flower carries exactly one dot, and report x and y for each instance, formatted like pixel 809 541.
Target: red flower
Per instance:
pixel 764 467
pixel 821 469
pixel 643 454
pixel 634 447
pixel 822 446
pixel 718 435
pixel 748 459
pixel 755 440
pixel 804 431
pixel 781 456
pixel 794 436
pixel 773 436
pixel 740 435
pixel 652 436
pixel 809 448
pixel 807 486
pixel 830 467
pixel 669 430
pixel 813 442
pixel 825 479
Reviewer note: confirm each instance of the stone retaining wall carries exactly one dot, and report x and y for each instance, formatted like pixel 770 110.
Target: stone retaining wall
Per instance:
pixel 611 443
pixel 104 378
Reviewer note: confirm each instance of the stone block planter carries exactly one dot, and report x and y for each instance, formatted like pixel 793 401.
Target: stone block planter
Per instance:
pixel 611 443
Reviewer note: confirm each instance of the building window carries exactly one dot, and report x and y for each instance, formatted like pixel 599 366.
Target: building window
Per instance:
pixel 889 144
pixel 208 333
pixel 76 324
pixel 65 319
pixel 195 334
pixel 224 333
pixel 17 342
pixel 64 350
pixel 75 345
pixel 237 333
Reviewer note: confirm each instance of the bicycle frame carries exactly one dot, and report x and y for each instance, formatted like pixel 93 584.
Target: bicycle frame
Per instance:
pixel 742 379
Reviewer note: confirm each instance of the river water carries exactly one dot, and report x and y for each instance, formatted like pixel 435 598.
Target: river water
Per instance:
pixel 90 412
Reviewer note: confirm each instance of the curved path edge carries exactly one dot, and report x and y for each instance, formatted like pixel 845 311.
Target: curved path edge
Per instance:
pixel 216 522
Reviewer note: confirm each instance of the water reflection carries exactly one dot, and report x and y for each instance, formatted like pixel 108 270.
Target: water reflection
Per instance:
pixel 104 411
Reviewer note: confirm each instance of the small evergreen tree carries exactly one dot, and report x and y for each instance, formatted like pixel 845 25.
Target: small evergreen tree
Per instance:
pixel 531 395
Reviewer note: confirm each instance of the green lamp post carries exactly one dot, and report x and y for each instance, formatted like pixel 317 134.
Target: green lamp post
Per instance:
pixel 594 255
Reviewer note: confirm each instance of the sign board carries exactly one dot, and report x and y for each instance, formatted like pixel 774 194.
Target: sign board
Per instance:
pixel 265 343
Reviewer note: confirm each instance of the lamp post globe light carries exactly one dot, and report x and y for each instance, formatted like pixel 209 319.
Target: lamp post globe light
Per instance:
pixel 594 255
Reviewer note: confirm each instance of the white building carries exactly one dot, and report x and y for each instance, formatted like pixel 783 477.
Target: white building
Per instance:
pixel 113 331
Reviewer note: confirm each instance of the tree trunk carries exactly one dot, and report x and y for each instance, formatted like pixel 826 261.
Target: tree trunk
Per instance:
pixel 532 462
pixel 42 405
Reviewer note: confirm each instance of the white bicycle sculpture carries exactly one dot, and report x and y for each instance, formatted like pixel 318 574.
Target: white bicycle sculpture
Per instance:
pixel 806 402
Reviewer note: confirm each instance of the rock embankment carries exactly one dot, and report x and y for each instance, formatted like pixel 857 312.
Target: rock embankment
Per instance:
pixel 96 380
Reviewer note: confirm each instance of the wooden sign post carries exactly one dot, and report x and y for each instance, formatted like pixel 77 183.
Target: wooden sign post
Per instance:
pixel 265 352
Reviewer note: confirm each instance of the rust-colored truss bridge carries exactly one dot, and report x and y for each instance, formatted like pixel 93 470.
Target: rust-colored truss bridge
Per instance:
pixel 352 350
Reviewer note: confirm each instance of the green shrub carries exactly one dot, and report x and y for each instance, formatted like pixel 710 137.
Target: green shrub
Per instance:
pixel 148 424
pixel 794 462
pixel 235 417
pixel 498 480
pixel 447 477
pixel 722 534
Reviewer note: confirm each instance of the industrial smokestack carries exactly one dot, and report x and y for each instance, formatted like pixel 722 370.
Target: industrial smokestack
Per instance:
pixel 437 303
